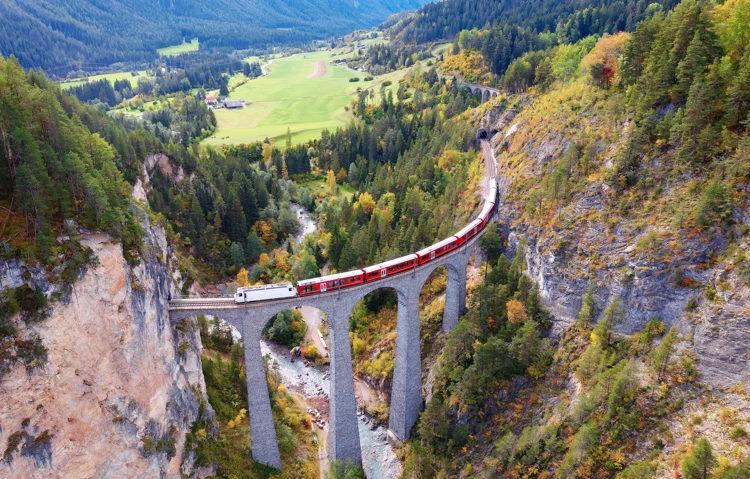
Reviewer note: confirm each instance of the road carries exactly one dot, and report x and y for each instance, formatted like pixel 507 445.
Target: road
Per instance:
pixel 312 319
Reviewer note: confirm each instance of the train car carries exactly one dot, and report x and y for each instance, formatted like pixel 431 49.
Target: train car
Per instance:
pixel 330 283
pixel 469 232
pixel 437 250
pixel 493 191
pixel 487 212
pixel 404 263
pixel 264 292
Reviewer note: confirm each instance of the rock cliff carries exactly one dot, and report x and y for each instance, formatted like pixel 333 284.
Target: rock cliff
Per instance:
pixel 697 280
pixel 120 386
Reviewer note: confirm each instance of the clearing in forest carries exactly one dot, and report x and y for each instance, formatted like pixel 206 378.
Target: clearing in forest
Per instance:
pixel 178 49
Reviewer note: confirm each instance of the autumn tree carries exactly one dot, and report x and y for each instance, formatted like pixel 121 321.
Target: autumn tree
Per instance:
pixel 516 312
pixel 367 203
pixel 242 279
pixel 331 183
pixel 341 176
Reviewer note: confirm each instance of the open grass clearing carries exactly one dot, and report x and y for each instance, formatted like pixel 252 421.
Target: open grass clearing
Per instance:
pixel 112 77
pixel 319 186
pixel 179 49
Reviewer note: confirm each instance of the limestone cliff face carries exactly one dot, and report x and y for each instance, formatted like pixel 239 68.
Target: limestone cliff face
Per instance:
pixel 120 386
pixel 588 242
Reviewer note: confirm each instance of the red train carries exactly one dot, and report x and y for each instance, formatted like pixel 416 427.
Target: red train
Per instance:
pixel 405 263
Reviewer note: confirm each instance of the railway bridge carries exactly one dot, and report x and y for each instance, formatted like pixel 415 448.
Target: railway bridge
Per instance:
pixel 487 92
pixel 406 394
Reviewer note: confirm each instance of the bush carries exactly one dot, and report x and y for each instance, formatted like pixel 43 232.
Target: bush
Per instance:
pixel 354 79
pixel 738 433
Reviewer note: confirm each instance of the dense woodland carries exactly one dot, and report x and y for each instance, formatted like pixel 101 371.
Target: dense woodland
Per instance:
pixel 571 19
pixel 89 35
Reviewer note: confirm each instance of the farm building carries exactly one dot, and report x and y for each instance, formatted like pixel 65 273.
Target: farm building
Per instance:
pixel 234 104
pixel 210 101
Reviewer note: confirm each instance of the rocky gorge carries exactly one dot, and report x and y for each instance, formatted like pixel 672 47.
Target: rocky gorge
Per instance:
pixel 120 386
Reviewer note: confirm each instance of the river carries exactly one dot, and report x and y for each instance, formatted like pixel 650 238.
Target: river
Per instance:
pixel 312 384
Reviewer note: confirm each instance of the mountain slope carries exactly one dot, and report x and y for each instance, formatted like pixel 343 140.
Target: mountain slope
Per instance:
pixel 59 36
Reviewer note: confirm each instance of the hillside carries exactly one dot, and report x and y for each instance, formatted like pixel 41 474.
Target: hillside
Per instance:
pixel 90 34
pixel 627 160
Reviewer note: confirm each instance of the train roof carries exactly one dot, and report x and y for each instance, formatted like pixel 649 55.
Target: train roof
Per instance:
pixel 264 286
pixel 446 241
pixel 330 277
pixel 469 227
pixel 487 207
pixel 380 266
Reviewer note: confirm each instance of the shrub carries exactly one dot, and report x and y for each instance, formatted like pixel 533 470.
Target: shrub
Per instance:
pixel 738 433
pixel 354 79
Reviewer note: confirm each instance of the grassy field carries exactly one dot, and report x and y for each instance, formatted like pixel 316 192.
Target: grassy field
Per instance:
pixel 287 98
pixel 318 186
pixel 112 77
pixel 177 49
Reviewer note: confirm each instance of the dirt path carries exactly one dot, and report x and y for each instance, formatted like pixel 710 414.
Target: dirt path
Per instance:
pixel 320 433
pixel 365 395
pixel 319 69
pixel 312 319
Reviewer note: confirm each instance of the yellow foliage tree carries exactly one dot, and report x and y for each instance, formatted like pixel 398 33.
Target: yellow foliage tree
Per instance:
pixel 367 203
pixel 264 260
pixel 341 175
pixel 331 182
pixel 516 311
pixel 267 153
pixel 264 231
pixel 242 279
pixel 281 261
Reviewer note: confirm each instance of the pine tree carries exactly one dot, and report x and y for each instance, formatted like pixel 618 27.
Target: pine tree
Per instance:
pixel 700 463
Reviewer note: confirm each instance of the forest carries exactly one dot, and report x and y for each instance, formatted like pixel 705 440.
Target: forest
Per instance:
pixel 88 35
pixel 670 104
pixel 570 19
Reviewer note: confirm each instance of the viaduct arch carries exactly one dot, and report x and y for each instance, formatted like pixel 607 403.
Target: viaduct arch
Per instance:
pixel 406 394
pixel 487 92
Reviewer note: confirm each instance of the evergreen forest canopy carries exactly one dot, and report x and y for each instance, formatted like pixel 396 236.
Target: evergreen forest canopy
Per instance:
pixel 92 34
pixel 571 19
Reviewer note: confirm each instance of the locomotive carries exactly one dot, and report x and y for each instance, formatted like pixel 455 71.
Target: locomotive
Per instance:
pixel 376 272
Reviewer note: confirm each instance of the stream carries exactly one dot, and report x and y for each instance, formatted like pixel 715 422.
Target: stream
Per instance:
pixel 312 383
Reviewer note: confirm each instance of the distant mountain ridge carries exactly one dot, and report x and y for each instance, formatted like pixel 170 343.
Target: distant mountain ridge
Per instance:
pixel 60 36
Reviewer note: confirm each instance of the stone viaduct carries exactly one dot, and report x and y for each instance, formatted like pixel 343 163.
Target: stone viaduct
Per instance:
pixel 406 395
pixel 487 92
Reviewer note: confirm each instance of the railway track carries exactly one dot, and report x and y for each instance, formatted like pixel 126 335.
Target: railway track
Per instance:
pixel 229 303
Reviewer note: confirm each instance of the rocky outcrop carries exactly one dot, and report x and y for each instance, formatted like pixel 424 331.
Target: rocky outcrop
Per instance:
pixel 121 385
pixel 684 278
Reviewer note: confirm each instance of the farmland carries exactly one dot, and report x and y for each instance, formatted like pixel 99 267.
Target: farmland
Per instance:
pixel 287 99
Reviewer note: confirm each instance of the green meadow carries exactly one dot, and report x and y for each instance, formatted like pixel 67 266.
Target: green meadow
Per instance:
pixel 287 99
pixel 178 49
pixel 112 77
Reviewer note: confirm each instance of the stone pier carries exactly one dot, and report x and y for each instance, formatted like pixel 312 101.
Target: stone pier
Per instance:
pixel 406 396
